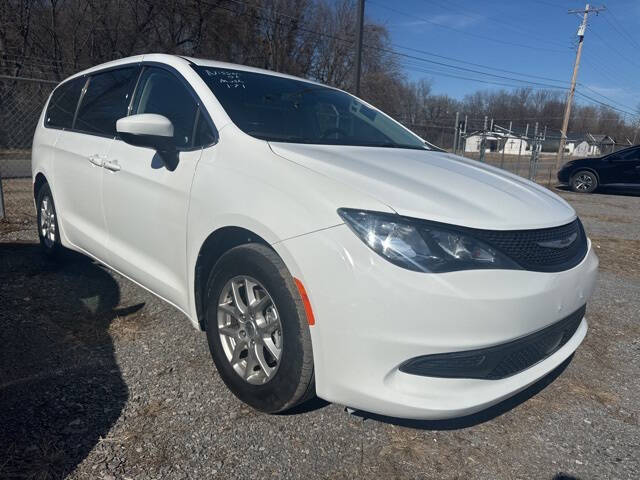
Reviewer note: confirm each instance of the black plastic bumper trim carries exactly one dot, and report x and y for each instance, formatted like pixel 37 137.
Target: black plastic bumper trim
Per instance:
pixel 499 361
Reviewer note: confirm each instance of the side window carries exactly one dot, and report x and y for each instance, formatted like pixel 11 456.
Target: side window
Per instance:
pixel 64 101
pixel 632 154
pixel 204 134
pixel 106 100
pixel 162 93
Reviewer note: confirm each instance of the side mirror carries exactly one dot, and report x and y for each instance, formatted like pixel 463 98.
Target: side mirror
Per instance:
pixel 152 131
pixel 147 130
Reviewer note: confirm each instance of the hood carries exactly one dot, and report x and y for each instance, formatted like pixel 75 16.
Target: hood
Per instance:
pixel 435 186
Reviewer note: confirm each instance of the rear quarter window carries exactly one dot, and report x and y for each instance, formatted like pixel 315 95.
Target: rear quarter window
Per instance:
pixel 63 103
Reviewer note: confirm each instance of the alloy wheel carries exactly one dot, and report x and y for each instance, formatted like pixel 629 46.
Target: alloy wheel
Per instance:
pixel 47 222
pixel 583 182
pixel 250 329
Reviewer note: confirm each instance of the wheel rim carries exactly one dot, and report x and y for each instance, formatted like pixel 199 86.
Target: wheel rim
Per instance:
pixel 250 329
pixel 47 222
pixel 583 182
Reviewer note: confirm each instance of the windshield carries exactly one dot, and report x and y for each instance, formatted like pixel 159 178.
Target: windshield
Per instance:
pixel 285 110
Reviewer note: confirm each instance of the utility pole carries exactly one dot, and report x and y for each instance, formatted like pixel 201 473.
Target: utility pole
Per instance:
pixel 360 14
pixel 567 108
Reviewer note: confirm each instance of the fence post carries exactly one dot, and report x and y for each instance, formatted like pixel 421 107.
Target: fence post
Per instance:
pixel 526 137
pixel 504 146
pixel 1 200
pixel 462 138
pixel 483 142
pixel 534 155
pixel 455 133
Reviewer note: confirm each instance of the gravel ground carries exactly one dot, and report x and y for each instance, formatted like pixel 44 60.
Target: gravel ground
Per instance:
pixel 99 379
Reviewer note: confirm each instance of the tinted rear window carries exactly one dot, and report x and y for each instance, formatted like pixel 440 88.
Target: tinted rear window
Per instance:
pixel 64 101
pixel 106 101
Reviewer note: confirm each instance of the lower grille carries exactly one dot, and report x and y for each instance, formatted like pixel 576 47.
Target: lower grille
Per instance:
pixel 499 361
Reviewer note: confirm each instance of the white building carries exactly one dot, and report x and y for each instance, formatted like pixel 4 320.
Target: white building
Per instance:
pixel 570 146
pixel 585 149
pixel 594 145
pixel 496 142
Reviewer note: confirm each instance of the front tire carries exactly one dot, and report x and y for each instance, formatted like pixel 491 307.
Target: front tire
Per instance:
pixel 584 182
pixel 47 217
pixel 257 330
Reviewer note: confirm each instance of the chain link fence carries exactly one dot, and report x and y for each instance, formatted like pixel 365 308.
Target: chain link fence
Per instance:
pixel 21 102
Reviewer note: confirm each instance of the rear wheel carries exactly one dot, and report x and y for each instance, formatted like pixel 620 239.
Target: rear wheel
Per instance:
pixel 584 182
pixel 257 330
pixel 48 231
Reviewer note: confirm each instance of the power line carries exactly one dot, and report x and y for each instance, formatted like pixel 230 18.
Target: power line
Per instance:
pixel 530 84
pixel 615 50
pixel 632 115
pixel 470 70
pixel 622 29
pixel 421 69
pixel 464 32
pixel 424 52
pixel 519 29
pixel 598 64
pixel 602 95
pixel 526 83
pixel 548 4
pixel 393 52
pixel 587 97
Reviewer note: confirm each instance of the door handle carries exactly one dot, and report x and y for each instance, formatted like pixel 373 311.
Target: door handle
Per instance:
pixel 112 165
pixel 96 160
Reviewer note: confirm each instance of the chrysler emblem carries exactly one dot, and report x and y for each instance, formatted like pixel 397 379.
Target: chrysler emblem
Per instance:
pixel 559 243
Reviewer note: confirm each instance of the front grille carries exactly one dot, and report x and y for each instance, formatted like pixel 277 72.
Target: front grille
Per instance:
pixel 499 361
pixel 542 250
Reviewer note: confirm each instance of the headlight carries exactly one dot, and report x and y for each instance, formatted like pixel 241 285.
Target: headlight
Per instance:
pixel 422 246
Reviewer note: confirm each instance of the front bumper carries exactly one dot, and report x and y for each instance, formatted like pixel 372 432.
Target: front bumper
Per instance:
pixel 372 316
pixel 564 174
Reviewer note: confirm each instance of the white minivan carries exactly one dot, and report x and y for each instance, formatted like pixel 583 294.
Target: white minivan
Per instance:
pixel 323 247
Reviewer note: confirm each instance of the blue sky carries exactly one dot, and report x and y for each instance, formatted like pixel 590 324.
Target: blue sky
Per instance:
pixel 536 38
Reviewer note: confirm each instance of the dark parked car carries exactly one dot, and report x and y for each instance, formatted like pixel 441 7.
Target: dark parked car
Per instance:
pixel 620 169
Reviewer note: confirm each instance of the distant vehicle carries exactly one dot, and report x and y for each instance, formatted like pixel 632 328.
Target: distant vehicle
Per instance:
pixel 322 246
pixel 616 170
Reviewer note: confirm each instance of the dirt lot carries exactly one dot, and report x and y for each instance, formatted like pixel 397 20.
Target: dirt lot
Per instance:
pixel 99 379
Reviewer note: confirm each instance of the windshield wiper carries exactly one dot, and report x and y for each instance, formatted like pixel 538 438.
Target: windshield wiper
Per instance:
pixel 394 145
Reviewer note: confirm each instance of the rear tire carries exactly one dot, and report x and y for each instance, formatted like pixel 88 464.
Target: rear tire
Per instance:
pixel 259 340
pixel 47 217
pixel 584 181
